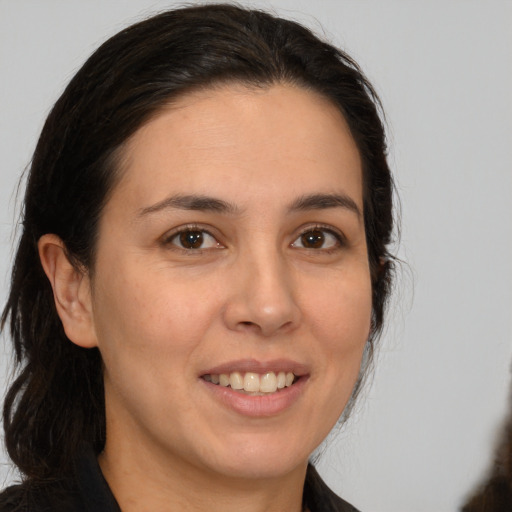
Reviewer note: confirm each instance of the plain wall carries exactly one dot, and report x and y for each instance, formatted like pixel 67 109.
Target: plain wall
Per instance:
pixel 423 435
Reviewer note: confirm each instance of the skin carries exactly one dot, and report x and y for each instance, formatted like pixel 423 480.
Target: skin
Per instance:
pixel 162 315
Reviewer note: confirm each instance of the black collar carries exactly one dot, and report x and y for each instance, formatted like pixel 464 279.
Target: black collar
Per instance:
pixel 88 491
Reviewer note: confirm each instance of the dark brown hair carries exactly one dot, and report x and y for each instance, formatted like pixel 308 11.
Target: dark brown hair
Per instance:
pixel 56 405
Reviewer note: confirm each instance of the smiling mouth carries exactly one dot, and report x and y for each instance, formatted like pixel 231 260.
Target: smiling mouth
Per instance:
pixel 251 383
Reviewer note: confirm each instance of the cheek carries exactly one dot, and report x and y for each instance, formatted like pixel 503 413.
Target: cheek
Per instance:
pixel 341 319
pixel 148 331
pixel 147 317
pixel 341 312
pixel 339 316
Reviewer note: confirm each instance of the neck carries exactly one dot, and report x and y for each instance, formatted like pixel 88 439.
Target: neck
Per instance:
pixel 143 481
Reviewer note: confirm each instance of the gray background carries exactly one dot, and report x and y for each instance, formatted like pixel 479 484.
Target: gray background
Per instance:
pixel 424 433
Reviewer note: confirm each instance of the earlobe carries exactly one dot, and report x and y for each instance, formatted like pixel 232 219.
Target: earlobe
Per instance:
pixel 71 291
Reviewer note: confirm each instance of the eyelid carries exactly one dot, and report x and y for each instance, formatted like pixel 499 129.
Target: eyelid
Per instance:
pixel 322 227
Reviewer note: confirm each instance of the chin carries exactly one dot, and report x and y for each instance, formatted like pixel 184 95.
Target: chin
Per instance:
pixel 262 469
pixel 264 460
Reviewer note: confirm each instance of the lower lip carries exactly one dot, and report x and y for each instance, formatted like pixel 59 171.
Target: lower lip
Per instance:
pixel 258 406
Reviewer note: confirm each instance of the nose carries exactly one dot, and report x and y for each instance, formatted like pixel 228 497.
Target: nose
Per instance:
pixel 262 299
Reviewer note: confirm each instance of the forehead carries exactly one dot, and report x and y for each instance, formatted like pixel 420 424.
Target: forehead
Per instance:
pixel 233 140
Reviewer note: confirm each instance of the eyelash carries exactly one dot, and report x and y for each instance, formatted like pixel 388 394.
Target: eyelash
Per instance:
pixel 169 239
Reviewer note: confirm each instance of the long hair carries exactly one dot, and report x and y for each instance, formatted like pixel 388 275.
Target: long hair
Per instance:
pixel 56 404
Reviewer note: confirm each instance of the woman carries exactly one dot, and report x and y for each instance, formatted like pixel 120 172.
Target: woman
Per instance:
pixel 202 272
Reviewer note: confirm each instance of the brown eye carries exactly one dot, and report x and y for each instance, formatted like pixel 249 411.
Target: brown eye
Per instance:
pixel 312 239
pixel 317 239
pixel 190 239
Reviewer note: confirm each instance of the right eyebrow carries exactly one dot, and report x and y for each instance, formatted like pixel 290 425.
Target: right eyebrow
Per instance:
pixel 190 202
pixel 325 201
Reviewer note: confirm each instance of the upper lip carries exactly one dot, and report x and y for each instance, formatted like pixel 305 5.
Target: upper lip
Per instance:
pixel 256 366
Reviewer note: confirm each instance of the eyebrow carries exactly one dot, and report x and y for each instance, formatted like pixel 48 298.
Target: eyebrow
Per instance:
pixel 191 202
pixel 325 201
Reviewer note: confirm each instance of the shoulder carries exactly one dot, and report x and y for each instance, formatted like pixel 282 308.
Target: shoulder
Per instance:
pixel 319 498
pixel 83 489
pixel 31 497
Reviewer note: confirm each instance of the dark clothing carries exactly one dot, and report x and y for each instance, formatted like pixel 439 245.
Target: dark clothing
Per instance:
pixel 318 497
pixel 88 491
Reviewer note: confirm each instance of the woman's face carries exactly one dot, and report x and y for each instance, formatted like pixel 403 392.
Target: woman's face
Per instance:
pixel 232 250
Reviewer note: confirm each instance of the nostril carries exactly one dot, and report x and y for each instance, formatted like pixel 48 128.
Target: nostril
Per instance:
pixel 248 326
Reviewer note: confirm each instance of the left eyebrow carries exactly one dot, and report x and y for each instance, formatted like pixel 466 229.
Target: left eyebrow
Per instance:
pixel 191 202
pixel 324 201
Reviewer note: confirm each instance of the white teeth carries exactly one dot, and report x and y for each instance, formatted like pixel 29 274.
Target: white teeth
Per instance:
pixel 268 383
pixel 281 380
pixel 252 382
pixel 236 381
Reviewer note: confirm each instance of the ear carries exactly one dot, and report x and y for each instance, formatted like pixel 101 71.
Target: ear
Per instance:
pixel 71 291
